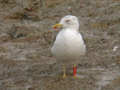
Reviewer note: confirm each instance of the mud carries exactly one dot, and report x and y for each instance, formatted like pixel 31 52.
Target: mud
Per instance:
pixel 26 36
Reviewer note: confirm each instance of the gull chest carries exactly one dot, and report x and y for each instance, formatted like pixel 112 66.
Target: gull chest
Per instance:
pixel 68 43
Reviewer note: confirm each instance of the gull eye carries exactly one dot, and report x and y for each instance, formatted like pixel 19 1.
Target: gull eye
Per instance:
pixel 67 21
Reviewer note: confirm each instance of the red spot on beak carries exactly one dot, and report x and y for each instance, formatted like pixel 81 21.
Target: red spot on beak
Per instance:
pixel 55 27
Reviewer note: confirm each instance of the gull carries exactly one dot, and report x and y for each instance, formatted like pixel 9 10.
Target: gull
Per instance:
pixel 69 45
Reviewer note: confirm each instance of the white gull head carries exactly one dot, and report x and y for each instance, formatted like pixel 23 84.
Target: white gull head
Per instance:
pixel 70 21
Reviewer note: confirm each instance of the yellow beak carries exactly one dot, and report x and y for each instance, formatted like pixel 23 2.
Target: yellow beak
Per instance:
pixel 57 26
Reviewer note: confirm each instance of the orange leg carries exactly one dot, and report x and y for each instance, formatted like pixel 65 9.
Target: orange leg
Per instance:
pixel 74 70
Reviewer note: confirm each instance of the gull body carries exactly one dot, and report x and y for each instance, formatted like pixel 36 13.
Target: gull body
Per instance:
pixel 68 46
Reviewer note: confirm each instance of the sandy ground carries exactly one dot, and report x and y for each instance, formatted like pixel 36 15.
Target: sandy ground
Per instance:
pixel 26 37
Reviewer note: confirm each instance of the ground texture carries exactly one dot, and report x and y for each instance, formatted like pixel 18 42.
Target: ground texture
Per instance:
pixel 26 36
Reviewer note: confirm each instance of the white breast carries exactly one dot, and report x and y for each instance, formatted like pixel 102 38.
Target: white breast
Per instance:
pixel 69 44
